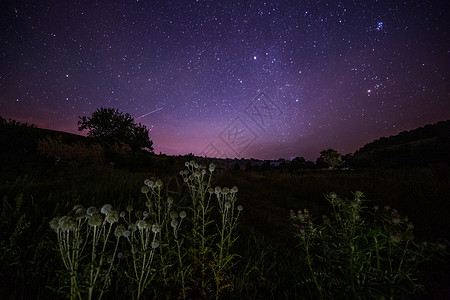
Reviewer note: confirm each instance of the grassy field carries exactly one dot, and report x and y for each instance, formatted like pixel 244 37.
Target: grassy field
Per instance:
pixel 34 189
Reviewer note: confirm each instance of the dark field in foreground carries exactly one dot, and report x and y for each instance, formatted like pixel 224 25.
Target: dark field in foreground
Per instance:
pixel 33 190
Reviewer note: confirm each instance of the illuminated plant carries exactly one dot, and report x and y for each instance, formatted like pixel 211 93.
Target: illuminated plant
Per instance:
pixel 213 255
pixel 83 238
pixel 192 259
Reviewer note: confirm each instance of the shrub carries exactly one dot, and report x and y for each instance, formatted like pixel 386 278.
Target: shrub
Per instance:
pixel 360 252
pixel 56 149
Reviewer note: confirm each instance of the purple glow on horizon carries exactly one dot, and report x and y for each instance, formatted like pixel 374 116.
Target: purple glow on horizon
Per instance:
pixel 341 74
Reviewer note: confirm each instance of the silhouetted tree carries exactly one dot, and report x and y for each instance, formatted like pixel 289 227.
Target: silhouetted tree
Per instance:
pixel 297 163
pixel 331 157
pixel 109 126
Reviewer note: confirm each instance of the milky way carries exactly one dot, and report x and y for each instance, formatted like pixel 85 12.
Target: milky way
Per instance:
pixel 231 78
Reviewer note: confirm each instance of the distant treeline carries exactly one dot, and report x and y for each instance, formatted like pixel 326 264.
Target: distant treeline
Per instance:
pixel 427 146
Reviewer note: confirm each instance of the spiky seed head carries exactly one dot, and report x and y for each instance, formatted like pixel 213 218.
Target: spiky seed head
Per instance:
pixel 227 204
pixel 126 233
pixel 158 183
pixel 95 220
pixel 132 227
pixel 173 214
pixel 119 231
pixel 302 229
pixel 359 194
pixel 129 208
pixel 141 224
pixel 68 224
pixel 332 195
pixel 174 223
pixel 112 217
pixel 144 189
pixel 106 209
pixel 240 208
pixel 212 167
pixel 155 244
pixel 234 189
pixel 156 228
pixel 138 214
pixel 54 223
pixel 396 238
pixel 409 236
pixel 76 207
pixel 187 164
pixel 225 190
pixel 396 220
pixel 182 214
pixel 91 211
pixel 217 190
pixel 80 213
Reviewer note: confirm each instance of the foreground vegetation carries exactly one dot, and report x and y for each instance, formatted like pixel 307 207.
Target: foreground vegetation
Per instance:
pixel 76 225
pixel 268 259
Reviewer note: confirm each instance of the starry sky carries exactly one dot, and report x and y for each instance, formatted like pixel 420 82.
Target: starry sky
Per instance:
pixel 246 79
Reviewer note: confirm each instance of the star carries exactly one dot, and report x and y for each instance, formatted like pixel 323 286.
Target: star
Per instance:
pixel 206 64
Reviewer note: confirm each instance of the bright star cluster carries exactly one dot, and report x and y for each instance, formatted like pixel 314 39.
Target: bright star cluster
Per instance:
pixel 261 79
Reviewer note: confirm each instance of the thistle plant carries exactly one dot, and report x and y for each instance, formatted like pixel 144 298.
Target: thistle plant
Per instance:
pixel 229 214
pixel 198 181
pixel 87 230
pixel 308 233
pixel 144 234
pixel 360 252
pixel 182 270
pixel 69 246
pixel 167 242
pixel 213 255
pixel 101 229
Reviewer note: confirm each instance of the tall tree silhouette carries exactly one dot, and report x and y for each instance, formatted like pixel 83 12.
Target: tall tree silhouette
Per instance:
pixel 331 157
pixel 109 127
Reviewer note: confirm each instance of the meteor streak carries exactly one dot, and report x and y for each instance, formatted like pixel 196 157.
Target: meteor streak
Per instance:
pixel 144 115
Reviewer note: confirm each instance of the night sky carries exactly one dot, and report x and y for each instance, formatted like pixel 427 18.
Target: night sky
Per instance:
pixel 248 79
